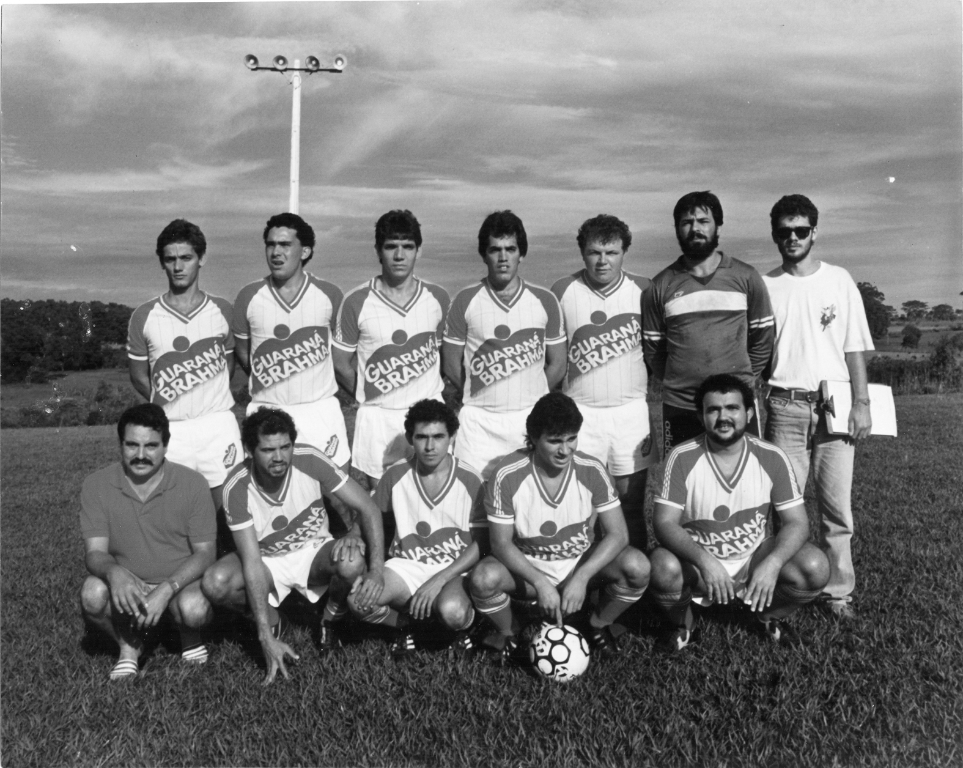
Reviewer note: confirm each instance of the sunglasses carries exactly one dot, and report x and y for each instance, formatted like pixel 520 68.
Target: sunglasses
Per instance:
pixel 801 233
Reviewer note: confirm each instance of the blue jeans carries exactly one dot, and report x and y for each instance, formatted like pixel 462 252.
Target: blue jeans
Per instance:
pixel 799 428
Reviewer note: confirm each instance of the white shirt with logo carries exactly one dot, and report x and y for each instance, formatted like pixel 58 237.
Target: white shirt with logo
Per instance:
pixel 398 360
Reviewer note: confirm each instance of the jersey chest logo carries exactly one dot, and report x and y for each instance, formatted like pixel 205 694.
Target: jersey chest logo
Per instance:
pixel 506 354
pixel 394 366
pixel 288 353
pixel 829 314
pixel 188 366
pixel 606 339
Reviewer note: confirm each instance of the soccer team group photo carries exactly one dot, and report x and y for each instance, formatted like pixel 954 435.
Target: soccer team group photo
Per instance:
pixel 512 517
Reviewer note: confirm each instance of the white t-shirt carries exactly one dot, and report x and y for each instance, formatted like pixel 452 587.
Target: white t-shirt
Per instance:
pixel 819 318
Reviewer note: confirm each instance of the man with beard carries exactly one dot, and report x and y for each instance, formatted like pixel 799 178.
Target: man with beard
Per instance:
pixel 705 313
pixel 821 335
pixel 711 521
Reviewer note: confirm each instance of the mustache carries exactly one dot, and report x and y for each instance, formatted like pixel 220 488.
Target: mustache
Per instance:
pixel 145 462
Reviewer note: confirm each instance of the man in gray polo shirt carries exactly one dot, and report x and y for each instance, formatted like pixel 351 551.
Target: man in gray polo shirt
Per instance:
pixel 149 533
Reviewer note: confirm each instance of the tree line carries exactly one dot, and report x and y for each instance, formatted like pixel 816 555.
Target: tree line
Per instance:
pixel 42 338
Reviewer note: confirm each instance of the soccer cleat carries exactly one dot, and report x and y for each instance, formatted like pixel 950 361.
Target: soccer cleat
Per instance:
pixel 512 653
pixel 781 633
pixel 463 644
pixel 675 640
pixel 196 654
pixel 328 643
pixel 603 642
pixel 403 646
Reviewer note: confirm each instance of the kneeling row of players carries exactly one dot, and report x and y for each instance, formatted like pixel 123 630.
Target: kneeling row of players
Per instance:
pixel 546 528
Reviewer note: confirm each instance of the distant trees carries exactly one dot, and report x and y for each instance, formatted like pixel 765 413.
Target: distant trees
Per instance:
pixel 943 312
pixel 915 310
pixel 38 338
pixel 877 313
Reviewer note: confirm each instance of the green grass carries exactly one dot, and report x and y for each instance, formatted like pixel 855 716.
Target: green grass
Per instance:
pixel 889 693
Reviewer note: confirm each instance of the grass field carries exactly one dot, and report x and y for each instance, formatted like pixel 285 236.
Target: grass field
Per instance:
pixel 888 693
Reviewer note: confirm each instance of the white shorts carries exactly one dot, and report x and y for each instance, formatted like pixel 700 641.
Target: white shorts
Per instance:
pixel 619 436
pixel 379 439
pixel 291 570
pixel 413 572
pixel 738 570
pixel 320 424
pixel 485 436
pixel 556 571
pixel 209 444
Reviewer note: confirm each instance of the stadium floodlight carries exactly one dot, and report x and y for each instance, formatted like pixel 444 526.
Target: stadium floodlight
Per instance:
pixel 312 65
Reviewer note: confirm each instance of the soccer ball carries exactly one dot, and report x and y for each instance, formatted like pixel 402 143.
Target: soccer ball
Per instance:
pixel 559 653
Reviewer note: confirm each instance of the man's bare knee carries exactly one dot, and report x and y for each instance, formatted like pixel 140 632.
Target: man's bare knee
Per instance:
pixel 635 568
pixel 666 571
pixel 216 582
pixel 485 578
pixel 192 609
pixel 453 610
pixel 94 597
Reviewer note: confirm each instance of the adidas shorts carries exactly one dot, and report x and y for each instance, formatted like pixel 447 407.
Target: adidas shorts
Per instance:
pixel 738 570
pixel 556 571
pixel 413 572
pixel 209 444
pixel 291 570
pixel 620 436
pixel 379 439
pixel 320 424
pixel 485 436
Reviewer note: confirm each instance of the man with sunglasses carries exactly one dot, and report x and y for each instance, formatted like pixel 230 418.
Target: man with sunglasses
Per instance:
pixel 821 335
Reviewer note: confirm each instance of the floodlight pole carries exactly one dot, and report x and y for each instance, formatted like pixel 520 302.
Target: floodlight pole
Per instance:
pixel 295 140
pixel 281 65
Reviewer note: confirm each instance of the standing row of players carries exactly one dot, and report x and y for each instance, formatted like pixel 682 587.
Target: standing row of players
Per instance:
pixel 504 343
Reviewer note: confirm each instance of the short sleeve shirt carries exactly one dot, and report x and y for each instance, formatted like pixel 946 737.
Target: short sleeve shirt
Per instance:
pixel 727 517
pixel 432 530
pixel 297 516
pixel 290 343
pixel 151 539
pixel 819 318
pixel 504 344
pixel 549 527
pixel 397 347
pixel 604 327
pixel 187 355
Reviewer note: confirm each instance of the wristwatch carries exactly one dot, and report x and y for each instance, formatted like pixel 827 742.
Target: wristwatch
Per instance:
pixel 174 585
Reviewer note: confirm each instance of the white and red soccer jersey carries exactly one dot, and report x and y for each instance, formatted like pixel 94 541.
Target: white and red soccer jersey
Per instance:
pixel 398 361
pixel 604 327
pixel 727 517
pixel 504 344
pixel 433 531
pixel 290 343
pixel 298 515
pixel 187 355
pixel 694 327
pixel 549 527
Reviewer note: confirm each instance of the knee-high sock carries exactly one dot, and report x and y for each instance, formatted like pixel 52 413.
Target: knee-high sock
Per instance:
pixel 386 616
pixel 786 599
pixel 498 609
pixel 613 602
pixel 676 607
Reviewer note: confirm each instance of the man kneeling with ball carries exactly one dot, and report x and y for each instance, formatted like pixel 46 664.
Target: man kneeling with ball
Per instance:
pixel 542 504
pixel 710 519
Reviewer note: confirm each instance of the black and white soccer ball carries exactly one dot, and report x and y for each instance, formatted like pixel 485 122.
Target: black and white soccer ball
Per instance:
pixel 559 653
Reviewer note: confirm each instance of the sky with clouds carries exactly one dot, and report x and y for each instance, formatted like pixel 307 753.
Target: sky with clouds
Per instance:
pixel 119 118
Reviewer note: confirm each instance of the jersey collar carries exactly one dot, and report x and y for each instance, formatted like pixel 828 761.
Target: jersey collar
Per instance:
pixel 449 482
pixel 562 488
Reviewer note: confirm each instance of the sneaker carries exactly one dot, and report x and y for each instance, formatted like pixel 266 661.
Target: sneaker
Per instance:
pixel 781 633
pixel 840 610
pixel 603 642
pixel 675 640
pixel 403 646
pixel 328 642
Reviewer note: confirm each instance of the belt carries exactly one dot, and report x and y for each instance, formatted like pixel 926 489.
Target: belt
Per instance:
pixel 795 394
